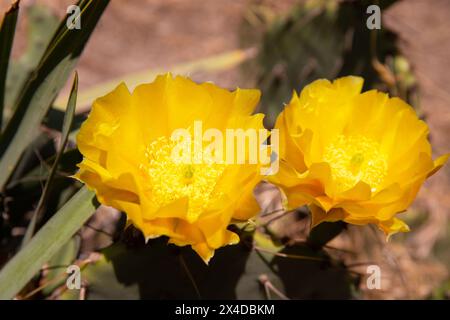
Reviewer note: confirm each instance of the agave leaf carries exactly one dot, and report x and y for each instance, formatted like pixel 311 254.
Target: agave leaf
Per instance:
pixel 41 89
pixel 70 112
pixel 7 30
pixel 41 24
pixel 49 239
pixel 37 176
pixel 59 262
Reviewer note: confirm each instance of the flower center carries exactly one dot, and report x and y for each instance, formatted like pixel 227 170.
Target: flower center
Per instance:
pixel 353 159
pixel 171 180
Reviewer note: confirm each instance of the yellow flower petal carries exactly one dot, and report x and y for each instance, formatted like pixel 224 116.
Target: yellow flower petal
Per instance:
pixel 319 215
pixel 127 148
pixel 352 156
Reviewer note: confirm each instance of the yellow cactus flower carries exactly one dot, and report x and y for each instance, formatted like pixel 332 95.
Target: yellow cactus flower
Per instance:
pixel 352 156
pixel 128 160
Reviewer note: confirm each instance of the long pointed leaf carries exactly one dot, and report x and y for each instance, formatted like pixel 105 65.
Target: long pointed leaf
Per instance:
pixel 7 30
pixel 70 112
pixel 45 83
pixel 53 235
pixel 40 27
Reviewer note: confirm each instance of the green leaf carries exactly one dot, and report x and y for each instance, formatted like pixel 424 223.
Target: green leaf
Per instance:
pixel 161 271
pixel 7 30
pixel 305 45
pixel 156 271
pixel 40 27
pixel 316 39
pixel 37 176
pixel 50 238
pixel 324 233
pixel 70 112
pixel 55 118
pixel 45 83
pixel 59 262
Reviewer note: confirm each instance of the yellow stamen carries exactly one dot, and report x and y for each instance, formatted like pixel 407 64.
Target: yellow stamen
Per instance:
pixel 171 180
pixel 353 159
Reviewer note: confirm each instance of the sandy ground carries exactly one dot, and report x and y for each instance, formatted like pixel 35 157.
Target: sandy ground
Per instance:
pixel 144 34
pixel 424 31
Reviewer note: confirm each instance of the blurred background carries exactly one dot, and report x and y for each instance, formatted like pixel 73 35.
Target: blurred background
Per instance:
pixel 275 45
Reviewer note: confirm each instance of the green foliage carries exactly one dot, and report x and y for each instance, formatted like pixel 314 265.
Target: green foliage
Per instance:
pixel 41 88
pixel 324 233
pixel 41 24
pixel 58 264
pixel 320 39
pixel 159 270
pixel 50 238
pixel 67 123
pixel 7 30
pixel 39 76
